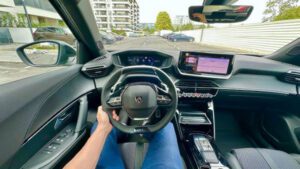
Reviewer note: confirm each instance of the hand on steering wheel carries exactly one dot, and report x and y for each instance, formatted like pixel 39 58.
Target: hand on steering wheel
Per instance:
pixel 103 120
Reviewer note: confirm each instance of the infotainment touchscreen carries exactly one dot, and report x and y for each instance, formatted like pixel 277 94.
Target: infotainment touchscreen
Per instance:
pixel 203 63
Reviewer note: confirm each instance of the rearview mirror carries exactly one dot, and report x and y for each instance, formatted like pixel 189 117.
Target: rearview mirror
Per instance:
pixel 219 13
pixel 47 53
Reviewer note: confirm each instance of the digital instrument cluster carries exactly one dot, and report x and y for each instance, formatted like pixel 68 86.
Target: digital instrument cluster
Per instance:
pixel 144 60
pixel 148 58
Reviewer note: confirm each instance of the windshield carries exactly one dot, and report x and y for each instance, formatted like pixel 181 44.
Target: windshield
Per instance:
pixel 165 25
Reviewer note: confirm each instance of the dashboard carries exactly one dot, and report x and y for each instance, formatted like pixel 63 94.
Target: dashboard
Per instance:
pixel 234 73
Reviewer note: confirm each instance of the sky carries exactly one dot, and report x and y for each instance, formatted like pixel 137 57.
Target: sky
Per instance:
pixel 150 8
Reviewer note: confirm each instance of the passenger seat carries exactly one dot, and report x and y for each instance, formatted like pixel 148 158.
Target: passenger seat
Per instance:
pixel 255 158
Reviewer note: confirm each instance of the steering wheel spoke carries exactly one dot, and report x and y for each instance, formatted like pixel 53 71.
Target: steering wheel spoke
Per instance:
pixel 115 102
pixel 163 100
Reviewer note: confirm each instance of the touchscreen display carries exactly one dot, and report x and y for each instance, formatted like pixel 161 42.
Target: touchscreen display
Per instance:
pixel 205 63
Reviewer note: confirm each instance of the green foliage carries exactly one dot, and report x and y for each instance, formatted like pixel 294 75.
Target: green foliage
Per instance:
pixel 148 30
pixel 119 32
pixel 46 24
pixel 277 7
pixel 8 20
pixel 42 24
pixel 163 21
pixel 184 27
pixel 21 22
pixel 292 13
pixel 62 24
pixel 190 26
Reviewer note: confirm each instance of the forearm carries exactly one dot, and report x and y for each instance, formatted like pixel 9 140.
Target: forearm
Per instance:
pixel 88 156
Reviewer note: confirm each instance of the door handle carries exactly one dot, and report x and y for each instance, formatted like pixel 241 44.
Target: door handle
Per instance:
pixel 61 119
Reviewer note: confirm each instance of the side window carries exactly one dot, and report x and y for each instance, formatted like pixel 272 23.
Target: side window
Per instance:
pixel 18 28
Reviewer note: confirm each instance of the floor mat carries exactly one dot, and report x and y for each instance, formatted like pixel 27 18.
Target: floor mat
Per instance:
pixel 228 133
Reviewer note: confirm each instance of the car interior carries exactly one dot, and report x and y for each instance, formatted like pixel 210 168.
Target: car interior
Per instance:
pixel 229 111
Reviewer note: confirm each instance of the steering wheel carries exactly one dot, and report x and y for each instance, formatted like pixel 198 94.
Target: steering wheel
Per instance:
pixel 140 91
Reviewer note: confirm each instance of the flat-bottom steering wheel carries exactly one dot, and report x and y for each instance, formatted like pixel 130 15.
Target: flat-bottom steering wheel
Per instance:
pixel 140 91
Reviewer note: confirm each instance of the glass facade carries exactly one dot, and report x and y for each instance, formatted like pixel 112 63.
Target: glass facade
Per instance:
pixel 37 4
pixel 5 36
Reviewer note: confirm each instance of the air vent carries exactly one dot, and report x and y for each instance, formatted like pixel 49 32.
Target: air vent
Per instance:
pixel 195 84
pixel 99 58
pixel 292 77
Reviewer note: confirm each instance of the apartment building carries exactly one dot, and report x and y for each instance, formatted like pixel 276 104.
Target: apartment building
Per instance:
pixel 116 14
pixel 181 20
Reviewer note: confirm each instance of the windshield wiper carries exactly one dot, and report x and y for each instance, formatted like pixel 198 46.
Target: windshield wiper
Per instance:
pixel 251 54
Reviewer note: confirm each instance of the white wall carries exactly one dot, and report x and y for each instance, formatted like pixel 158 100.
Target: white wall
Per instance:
pixel 21 35
pixel 260 38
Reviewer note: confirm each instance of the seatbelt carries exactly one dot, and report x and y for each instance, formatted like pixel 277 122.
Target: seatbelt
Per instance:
pixel 139 152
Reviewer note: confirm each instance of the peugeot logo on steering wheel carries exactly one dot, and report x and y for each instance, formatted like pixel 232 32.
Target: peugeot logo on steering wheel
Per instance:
pixel 138 99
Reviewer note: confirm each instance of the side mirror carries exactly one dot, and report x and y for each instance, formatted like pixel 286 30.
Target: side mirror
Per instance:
pixel 219 13
pixel 47 53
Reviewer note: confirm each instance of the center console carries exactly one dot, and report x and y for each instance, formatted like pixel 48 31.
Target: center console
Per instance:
pixel 196 123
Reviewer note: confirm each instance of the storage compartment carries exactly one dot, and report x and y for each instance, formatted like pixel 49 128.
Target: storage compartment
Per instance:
pixel 198 118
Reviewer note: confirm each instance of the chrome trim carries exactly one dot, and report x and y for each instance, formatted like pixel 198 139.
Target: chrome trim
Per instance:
pixel 212 110
pixel 204 75
pixel 195 116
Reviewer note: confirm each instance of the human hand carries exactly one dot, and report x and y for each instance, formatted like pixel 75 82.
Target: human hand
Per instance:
pixel 103 120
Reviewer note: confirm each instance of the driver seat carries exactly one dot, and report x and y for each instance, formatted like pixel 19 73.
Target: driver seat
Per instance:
pixel 128 152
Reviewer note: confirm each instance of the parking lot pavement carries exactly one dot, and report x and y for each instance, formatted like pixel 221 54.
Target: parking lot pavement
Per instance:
pixel 11 67
pixel 11 71
pixel 158 43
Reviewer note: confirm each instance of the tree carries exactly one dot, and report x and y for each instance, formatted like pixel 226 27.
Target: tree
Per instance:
pixel 163 21
pixel 149 30
pixel 188 26
pixel 277 7
pixel 292 13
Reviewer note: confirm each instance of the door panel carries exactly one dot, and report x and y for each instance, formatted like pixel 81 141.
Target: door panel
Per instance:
pixel 28 104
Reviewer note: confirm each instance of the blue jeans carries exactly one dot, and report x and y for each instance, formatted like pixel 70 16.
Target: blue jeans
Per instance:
pixel 163 151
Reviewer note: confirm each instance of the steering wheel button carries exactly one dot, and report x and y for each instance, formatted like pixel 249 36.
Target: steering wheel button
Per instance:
pixel 114 101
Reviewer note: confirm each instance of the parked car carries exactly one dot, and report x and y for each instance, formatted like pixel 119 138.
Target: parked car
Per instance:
pixel 181 37
pixel 167 36
pixel 117 36
pixel 54 33
pixel 136 34
pixel 107 38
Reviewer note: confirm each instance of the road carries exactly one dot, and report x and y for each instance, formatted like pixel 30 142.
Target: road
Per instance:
pixel 11 68
pixel 158 43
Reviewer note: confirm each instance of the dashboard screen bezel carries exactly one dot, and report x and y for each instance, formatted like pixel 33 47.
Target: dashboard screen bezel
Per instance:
pixel 182 68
